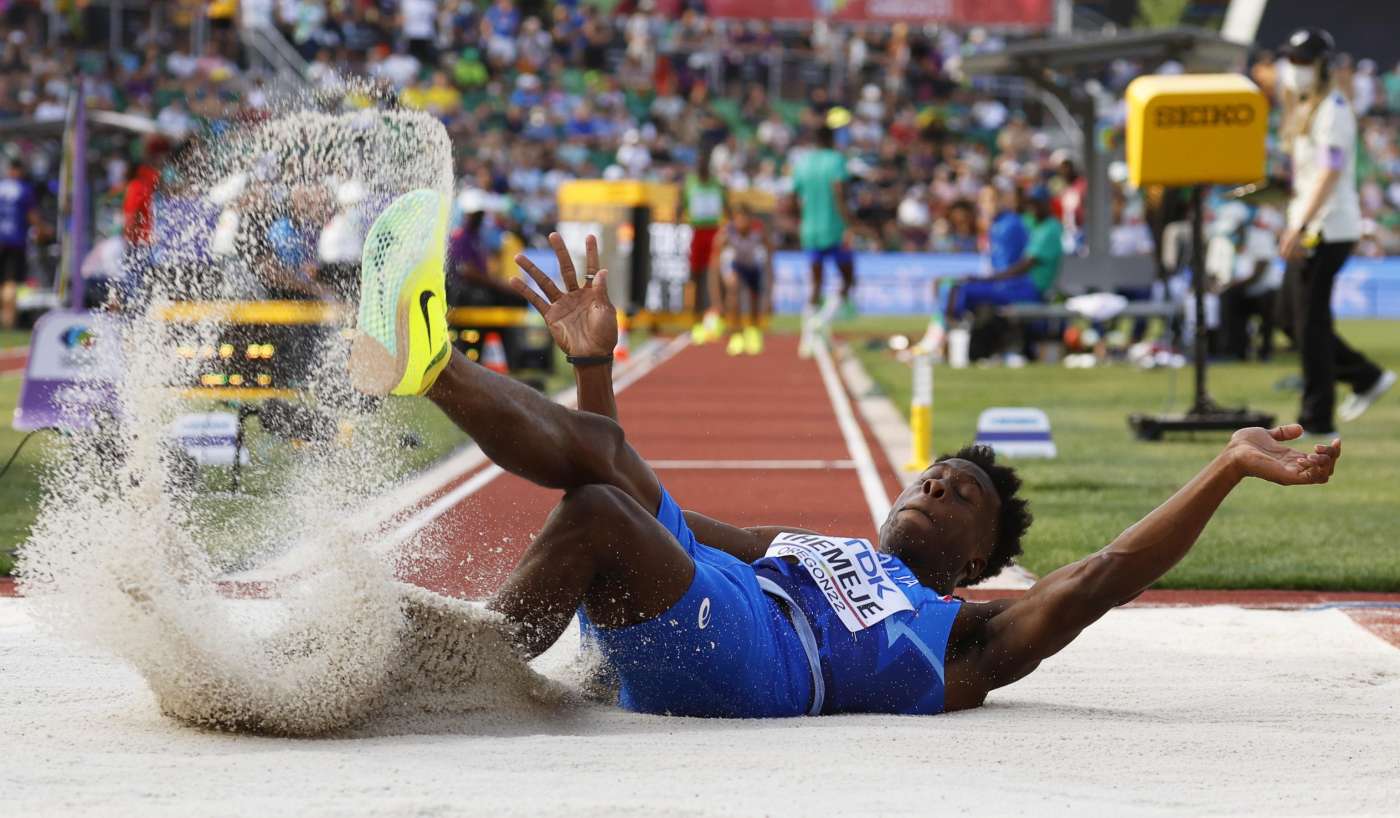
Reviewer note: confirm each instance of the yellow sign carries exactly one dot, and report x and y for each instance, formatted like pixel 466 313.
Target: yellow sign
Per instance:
pixel 252 312
pixel 1193 129
pixel 605 201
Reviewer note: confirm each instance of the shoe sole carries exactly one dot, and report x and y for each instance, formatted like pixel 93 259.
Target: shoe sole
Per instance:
pixel 1387 381
pixel 385 268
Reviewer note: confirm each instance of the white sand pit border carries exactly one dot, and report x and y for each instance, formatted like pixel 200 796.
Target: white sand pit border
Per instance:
pixel 1181 711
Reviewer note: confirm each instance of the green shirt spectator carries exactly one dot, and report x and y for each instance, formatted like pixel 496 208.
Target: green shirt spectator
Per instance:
pixel 1045 250
pixel 814 182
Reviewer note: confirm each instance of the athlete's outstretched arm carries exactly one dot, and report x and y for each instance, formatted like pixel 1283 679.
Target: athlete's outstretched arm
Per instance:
pixel 1019 635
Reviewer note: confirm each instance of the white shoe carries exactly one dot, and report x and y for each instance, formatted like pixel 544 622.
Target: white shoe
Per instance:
pixel 804 345
pixel 1357 403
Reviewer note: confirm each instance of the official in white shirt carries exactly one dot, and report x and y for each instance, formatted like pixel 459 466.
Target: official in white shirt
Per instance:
pixel 1324 223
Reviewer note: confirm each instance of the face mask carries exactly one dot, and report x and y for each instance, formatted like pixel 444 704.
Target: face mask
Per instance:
pixel 1300 79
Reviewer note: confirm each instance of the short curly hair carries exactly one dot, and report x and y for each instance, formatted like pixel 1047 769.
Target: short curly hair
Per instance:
pixel 1015 515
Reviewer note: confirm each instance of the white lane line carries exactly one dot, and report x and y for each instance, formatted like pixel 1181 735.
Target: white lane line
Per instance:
pixel 469 457
pixel 463 461
pixel 480 480
pixel 752 464
pixel 442 505
pixel 870 483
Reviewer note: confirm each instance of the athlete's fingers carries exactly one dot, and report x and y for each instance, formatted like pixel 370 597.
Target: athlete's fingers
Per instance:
pixel 546 284
pixel 518 284
pixel 566 264
pixel 1288 432
pixel 590 254
pixel 600 282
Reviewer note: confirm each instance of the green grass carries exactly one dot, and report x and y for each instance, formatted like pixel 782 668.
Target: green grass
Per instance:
pixel 1338 537
pixel 14 338
pixel 19 488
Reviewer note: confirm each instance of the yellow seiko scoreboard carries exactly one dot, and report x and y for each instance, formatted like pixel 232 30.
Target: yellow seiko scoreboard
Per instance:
pixel 1191 129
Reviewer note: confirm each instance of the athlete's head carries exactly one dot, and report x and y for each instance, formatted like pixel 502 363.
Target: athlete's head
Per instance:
pixel 826 136
pixel 960 522
pixel 1038 202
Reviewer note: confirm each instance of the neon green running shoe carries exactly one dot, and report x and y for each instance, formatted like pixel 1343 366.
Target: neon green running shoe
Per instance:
pixel 402 343
pixel 753 341
pixel 736 344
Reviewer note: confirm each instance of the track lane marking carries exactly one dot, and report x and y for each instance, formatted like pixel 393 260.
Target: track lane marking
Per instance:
pixel 483 478
pixel 465 461
pixel 774 465
pixel 876 498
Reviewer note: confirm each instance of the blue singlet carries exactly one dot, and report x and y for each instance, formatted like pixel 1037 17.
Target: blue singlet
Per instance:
pixel 732 647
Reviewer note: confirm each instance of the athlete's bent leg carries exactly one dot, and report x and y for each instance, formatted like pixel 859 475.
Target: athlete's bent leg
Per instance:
pixel 599 549
pixel 529 435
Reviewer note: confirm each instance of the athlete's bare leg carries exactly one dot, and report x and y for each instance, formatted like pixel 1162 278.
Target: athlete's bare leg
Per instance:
pixel 848 277
pixel 736 292
pixel 602 547
pixel 599 549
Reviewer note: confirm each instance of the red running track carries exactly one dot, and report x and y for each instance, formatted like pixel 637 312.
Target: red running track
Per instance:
pixel 701 405
pixel 13 360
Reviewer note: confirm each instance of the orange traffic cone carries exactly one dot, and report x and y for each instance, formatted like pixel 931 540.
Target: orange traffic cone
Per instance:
pixel 493 354
pixel 623 350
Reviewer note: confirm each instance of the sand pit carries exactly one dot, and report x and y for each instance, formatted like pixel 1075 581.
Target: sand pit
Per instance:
pixel 1155 711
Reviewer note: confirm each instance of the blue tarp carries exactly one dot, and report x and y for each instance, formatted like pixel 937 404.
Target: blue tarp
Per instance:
pixel 901 283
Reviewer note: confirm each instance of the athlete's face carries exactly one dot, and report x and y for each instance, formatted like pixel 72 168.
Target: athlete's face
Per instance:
pixel 944 524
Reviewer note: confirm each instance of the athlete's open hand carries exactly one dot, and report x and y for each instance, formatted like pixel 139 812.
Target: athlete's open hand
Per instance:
pixel 581 318
pixel 1260 453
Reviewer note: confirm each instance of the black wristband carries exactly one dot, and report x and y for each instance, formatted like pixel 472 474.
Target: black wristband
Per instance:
pixel 588 360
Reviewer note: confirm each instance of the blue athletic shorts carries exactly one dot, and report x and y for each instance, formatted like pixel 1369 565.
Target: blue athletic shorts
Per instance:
pixel 838 254
pixel 999 293
pixel 751 275
pixel 726 649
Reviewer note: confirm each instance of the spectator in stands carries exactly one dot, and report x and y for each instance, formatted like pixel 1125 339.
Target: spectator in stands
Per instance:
pixel 18 216
pixel 1025 261
pixel 418 21
pixel 656 85
pixel 138 208
pixel 1256 278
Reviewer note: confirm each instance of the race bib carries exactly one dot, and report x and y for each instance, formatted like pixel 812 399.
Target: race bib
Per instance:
pixel 705 205
pixel 849 574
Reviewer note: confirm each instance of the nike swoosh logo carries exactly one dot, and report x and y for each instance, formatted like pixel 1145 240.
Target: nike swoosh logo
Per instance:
pixel 423 299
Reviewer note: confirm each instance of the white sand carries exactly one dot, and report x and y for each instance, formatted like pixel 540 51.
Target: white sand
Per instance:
pixel 1154 711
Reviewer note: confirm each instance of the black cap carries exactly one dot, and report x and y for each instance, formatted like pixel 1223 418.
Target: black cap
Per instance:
pixel 1308 45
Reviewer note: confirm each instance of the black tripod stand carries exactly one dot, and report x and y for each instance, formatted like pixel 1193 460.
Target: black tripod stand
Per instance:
pixel 1205 414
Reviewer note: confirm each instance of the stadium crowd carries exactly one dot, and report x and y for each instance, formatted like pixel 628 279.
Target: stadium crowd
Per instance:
pixel 534 98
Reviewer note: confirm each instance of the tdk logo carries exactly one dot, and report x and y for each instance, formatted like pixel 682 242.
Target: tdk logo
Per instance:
pixel 1198 116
